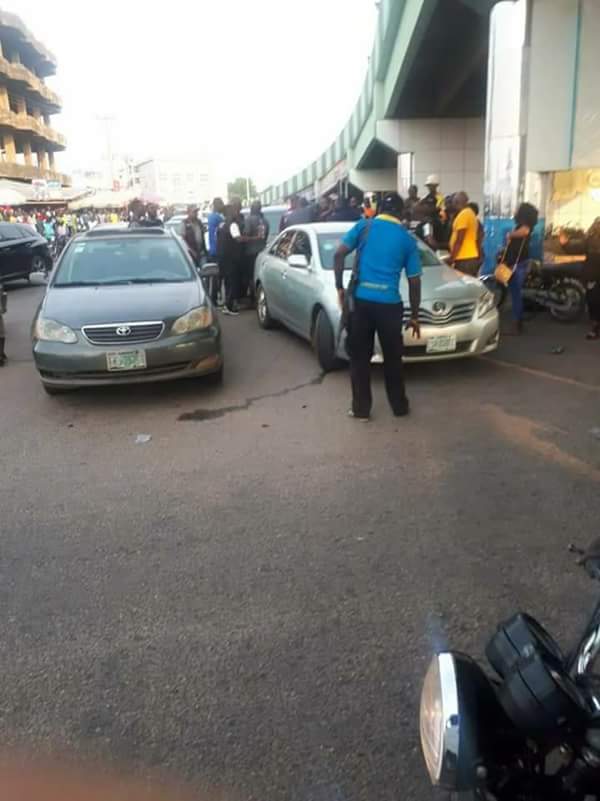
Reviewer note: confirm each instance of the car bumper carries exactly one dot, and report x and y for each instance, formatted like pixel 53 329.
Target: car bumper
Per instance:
pixel 167 359
pixel 479 336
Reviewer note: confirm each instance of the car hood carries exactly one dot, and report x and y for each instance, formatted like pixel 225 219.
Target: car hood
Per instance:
pixel 79 306
pixel 443 282
pixel 438 282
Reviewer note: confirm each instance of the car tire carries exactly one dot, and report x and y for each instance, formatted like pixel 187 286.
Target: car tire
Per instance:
pixel 324 343
pixel 38 265
pixel 215 379
pixel 262 309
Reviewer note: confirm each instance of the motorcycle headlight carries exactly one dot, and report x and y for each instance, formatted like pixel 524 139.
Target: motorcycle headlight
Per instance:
pixel 439 720
pixel 194 320
pixel 486 303
pixel 51 331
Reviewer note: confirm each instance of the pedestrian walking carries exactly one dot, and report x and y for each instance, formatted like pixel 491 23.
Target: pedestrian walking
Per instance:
pixel 193 235
pixel 2 333
pixel 516 255
pixel 464 242
pixel 256 232
pixel 373 304
pixel 215 218
pixel 230 253
pixel 412 201
pixel 433 191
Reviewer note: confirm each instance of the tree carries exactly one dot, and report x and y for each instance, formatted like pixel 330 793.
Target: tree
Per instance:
pixel 239 188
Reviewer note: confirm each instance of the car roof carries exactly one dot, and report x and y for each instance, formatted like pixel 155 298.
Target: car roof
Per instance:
pixel 323 227
pixel 110 231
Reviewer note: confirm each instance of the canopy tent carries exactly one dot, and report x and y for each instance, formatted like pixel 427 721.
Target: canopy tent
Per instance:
pixel 103 200
pixel 10 197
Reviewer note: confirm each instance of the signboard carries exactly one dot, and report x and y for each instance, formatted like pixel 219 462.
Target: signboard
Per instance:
pixel 54 190
pixel 40 189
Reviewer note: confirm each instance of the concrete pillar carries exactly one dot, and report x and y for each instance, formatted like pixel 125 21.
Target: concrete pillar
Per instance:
pixel 47 120
pixel 27 154
pixel 42 157
pixel 4 102
pixel 37 113
pixel 51 160
pixel 21 105
pixel 10 151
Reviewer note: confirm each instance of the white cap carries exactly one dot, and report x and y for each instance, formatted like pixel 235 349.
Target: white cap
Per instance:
pixel 432 179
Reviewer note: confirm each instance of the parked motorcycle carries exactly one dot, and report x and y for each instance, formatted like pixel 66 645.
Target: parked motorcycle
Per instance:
pixel 548 287
pixel 529 733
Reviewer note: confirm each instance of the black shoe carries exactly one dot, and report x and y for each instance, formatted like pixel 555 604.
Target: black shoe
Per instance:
pixel 403 411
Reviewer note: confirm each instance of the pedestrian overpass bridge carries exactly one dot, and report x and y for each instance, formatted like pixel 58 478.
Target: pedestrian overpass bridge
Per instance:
pixel 421 109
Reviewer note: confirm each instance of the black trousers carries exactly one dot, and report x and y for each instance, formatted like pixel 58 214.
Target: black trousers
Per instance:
pixel 231 275
pixel 386 320
pixel 593 302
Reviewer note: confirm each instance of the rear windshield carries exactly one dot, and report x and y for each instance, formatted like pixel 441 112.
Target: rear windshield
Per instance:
pixel 123 261
pixel 329 243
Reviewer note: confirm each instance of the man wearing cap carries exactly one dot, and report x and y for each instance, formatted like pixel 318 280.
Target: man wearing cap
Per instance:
pixel 385 249
pixel 433 196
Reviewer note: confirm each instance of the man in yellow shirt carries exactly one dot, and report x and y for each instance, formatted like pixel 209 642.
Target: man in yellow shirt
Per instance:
pixel 464 243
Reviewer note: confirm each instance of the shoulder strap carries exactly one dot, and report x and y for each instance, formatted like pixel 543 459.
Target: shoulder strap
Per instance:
pixel 362 241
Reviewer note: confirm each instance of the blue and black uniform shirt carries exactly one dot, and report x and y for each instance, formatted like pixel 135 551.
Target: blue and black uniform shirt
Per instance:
pixel 385 252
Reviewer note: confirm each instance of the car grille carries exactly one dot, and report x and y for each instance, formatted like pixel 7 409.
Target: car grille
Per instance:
pixel 116 376
pixel 459 313
pixel 131 333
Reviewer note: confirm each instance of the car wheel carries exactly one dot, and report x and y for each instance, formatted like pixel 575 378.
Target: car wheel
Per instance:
pixel 324 344
pixel 214 379
pixel 38 265
pixel 262 309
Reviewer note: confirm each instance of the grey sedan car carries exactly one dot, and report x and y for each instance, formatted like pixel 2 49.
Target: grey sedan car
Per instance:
pixel 125 307
pixel 295 286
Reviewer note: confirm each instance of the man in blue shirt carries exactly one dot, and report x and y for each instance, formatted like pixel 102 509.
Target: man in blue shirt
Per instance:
pixel 385 249
pixel 215 218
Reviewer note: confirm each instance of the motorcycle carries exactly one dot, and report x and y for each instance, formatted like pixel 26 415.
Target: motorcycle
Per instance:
pixel 531 732
pixel 546 287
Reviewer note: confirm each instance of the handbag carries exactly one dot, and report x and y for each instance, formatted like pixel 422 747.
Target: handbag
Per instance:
pixel 504 272
pixel 350 293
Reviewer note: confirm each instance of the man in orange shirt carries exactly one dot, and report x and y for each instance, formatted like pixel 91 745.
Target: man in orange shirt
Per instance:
pixel 465 252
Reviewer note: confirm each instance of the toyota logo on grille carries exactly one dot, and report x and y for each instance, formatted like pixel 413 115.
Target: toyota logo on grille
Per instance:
pixel 123 331
pixel 439 307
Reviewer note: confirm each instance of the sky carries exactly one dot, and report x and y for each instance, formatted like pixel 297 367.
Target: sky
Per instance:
pixel 259 87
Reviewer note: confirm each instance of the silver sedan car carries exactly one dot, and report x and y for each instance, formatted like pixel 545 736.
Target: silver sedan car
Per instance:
pixel 295 286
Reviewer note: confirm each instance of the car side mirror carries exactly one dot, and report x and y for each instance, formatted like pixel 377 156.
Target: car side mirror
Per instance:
pixel 298 260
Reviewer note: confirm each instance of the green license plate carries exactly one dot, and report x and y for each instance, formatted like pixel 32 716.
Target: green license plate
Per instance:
pixel 126 360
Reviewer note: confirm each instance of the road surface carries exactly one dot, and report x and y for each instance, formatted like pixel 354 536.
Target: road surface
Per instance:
pixel 249 600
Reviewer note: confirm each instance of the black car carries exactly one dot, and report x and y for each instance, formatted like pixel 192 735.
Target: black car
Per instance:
pixel 22 251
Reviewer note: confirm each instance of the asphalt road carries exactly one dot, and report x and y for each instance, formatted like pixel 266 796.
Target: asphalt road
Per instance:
pixel 249 600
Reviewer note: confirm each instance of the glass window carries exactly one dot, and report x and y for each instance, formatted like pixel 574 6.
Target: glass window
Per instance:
pixel 282 246
pixel 301 245
pixel 9 231
pixel 329 243
pixel 123 261
pixel 273 218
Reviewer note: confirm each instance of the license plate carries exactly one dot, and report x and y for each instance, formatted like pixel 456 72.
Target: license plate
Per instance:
pixel 443 344
pixel 126 360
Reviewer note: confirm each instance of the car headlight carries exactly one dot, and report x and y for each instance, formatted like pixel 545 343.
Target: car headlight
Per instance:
pixel 486 303
pixel 51 331
pixel 439 719
pixel 194 320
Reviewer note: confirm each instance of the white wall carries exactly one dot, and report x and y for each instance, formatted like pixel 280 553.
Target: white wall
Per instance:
pixel 374 180
pixel 552 60
pixel 586 137
pixel 452 148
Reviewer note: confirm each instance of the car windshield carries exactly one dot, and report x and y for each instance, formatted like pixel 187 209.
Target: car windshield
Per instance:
pixel 329 243
pixel 123 261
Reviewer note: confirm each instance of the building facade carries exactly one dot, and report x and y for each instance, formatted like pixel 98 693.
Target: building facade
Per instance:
pixel 178 181
pixel 28 141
